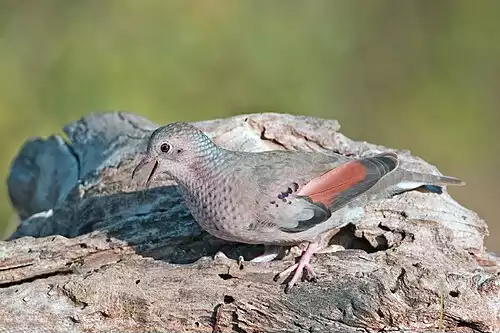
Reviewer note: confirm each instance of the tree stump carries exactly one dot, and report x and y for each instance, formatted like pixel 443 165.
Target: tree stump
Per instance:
pixel 96 252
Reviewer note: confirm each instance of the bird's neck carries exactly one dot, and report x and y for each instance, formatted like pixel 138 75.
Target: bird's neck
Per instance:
pixel 212 165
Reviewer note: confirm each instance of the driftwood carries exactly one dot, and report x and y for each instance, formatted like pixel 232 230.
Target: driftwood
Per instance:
pixel 95 252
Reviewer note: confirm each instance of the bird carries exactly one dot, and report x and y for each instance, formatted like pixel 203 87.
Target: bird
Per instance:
pixel 277 197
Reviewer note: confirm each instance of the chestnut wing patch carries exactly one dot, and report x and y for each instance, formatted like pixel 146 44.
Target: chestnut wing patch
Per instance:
pixel 337 187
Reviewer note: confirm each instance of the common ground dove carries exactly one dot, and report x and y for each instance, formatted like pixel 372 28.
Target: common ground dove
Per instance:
pixel 274 197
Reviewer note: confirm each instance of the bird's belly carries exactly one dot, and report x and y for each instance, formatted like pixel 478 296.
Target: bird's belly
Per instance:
pixel 230 225
pixel 230 229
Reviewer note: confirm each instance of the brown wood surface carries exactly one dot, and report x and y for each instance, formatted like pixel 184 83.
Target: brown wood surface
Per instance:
pixel 95 252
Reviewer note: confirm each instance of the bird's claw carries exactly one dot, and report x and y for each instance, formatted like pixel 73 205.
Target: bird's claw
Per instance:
pixel 313 279
pixel 299 268
pixel 311 276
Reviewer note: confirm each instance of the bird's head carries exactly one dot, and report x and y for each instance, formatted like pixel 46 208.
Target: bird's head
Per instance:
pixel 173 149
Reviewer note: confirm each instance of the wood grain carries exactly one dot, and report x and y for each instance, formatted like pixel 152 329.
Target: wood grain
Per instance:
pixel 95 252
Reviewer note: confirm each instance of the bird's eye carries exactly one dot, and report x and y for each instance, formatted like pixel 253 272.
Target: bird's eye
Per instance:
pixel 165 147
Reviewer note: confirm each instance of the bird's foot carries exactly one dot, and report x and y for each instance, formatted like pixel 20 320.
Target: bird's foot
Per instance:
pixel 304 263
pixel 271 252
pixel 266 257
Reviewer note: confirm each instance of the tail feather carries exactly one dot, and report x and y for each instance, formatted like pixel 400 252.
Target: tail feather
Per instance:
pixel 411 180
pixel 430 179
pixel 433 189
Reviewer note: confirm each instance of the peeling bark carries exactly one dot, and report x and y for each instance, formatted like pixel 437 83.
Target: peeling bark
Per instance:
pixel 96 252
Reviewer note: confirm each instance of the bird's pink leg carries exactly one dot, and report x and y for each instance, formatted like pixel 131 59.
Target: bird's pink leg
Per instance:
pixel 271 252
pixel 299 267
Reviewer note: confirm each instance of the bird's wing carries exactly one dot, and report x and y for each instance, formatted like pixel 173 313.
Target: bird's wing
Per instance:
pixel 337 187
pixel 293 215
pixel 317 199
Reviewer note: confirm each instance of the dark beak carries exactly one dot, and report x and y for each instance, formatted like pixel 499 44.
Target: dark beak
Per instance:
pixel 147 166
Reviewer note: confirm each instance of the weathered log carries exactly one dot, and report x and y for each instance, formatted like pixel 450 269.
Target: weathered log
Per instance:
pixel 111 256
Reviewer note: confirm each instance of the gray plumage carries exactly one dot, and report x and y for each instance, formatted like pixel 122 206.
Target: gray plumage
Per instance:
pixel 269 197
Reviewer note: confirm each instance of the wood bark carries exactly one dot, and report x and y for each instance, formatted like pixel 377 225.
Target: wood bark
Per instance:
pixel 96 252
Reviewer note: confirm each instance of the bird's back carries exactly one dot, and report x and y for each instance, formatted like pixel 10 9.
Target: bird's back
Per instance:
pixel 231 200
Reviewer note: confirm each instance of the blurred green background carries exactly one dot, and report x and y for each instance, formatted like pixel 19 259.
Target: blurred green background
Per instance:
pixel 419 75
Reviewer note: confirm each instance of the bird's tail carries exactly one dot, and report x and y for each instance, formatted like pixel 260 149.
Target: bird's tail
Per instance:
pixel 412 180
